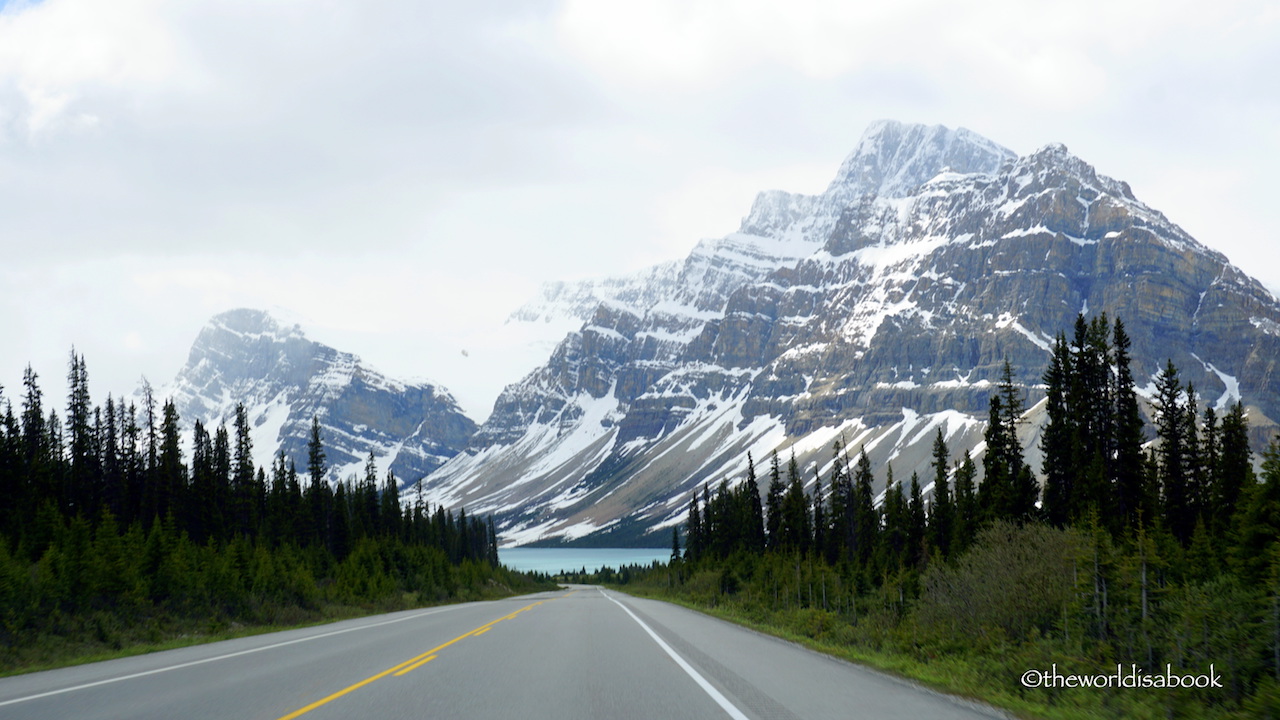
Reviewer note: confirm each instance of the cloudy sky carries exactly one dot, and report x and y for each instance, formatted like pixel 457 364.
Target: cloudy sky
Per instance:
pixel 398 175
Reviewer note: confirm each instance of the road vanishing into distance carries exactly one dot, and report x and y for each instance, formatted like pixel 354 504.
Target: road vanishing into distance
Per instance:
pixel 581 652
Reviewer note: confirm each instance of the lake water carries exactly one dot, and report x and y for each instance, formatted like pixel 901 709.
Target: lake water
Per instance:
pixel 553 560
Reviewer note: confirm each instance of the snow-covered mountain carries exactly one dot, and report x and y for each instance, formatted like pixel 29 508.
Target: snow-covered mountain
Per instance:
pixel 284 379
pixel 875 312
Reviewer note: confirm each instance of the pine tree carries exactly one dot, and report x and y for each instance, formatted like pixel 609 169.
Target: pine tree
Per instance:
pixel 1057 443
pixel 83 471
pixel 1257 525
pixel 1090 407
pixel 796 525
pixel 339 524
pixel 773 504
pixel 1133 500
pixel 755 532
pixel 1193 458
pixel 820 527
pixel 171 478
pixel 866 522
pixel 319 495
pixel 942 515
pixel 202 505
pixel 994 495
pixel 1234 471
pixel 914 555
pixel 389 507
pixel 242 474
pixel 894 538
pixel 694 521
pixel 967 514
pixel 493 543
pixel 112 483
pixel 1170 430
pixel 840 514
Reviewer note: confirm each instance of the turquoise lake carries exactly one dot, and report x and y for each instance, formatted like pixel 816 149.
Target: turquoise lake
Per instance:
pixel 553 560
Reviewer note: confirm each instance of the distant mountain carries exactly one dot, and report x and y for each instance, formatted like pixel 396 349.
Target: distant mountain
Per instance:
pixel 874 312
pixel 284 379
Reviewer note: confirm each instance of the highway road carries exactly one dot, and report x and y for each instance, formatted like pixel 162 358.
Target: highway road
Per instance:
pixel 581 652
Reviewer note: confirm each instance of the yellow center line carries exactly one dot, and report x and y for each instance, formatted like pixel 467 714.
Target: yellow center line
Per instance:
pixel 407 666
pixel 415 666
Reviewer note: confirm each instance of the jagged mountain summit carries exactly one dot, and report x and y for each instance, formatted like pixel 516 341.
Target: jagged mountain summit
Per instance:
pixel 875 312
pixel 284 380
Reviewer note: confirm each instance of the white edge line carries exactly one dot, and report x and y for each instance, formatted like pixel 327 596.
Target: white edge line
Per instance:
pixel 180 666
pixel 720 699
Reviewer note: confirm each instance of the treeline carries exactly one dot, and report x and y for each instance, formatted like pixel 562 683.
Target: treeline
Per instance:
pixel 104 524
pixel 1150 553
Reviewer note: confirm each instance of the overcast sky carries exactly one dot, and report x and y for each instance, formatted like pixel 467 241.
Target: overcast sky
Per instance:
pixel 397 174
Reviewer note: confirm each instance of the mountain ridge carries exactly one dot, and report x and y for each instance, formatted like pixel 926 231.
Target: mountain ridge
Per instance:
pixel 284 380
pixel 887 303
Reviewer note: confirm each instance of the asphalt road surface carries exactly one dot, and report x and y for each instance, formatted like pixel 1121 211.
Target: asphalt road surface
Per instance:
pixel 581 652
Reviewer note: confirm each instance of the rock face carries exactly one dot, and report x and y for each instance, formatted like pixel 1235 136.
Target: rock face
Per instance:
pixel 874 312
pixel 284 379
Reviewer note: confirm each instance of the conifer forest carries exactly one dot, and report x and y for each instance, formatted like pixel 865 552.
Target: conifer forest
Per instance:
pixel 110 535
pixel 1146 545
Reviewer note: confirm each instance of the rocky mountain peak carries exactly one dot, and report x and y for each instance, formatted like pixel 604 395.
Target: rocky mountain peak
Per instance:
pixel 285 379
pixel 893 159
pixel 875 313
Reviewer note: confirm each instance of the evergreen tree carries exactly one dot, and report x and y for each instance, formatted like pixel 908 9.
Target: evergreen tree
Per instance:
pixel 112 483
pixel 967 513
pixel 1175 493
pixel 773 504
pixel 942 515
pixel 1057 443
pixel 895 536
pixel 1134 504
pixel 242 474
pixel 1090 407
pixel 493 543
pixel 820 528
pixel 696 541
pixel 389 508
pixel 203 504
pixel 171 477
pixel 840 515
pixel 796 525
pixel 339 524
pixel 754 520
pixel 866 521
pixel 1234 470
pixel 83 473
pixel 1193 457
pixel 319 495
pixel 914 555
pixel 1257 529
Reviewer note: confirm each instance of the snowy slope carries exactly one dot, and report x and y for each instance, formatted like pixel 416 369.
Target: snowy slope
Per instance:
pixel 284 379
pixel 875 312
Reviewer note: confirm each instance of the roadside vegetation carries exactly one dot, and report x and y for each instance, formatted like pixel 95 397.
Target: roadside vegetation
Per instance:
pixel 111 543
pixel 1161 558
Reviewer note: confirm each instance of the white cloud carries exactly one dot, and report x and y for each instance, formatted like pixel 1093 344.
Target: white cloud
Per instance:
pixel 55 52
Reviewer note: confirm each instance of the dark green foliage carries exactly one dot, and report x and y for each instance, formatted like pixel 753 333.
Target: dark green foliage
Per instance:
pixel 1008 490
pixel 773 505
pixel 1141 558
pixel 107 523
pixel 1015 577
pixel 942 512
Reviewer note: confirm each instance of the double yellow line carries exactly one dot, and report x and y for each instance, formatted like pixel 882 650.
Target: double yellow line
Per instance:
pixel 411 664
